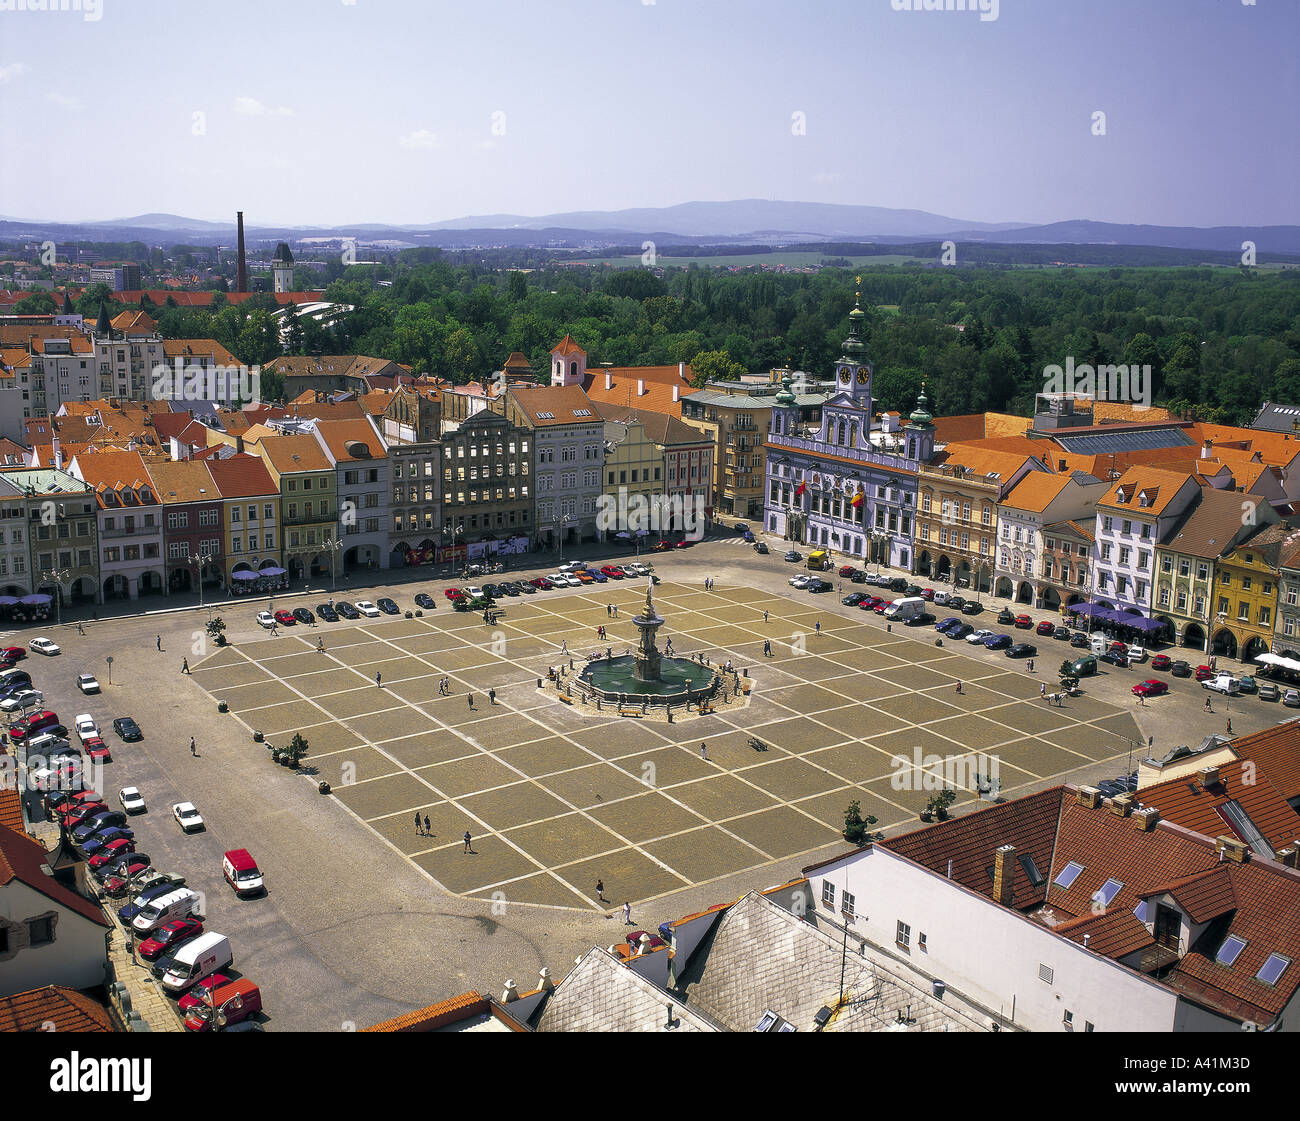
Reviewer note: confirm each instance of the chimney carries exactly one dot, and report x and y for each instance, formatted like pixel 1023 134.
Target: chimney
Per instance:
pixel 1004 874
pixel 609 381
pixel 241 273
pixel 1289 856
pixel 1122 804
pixel 511 994
pixel 681 370
pixel 1209 776
pixel 544 981
pixel 677 393
pixel 1145 819
pixel 640 387
pixel 1230 848
pixel 1207 449
pixel 1088 796
pixel 239 445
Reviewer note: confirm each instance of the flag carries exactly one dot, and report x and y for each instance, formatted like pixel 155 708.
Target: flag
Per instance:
pixel 857 501
pixel 800 489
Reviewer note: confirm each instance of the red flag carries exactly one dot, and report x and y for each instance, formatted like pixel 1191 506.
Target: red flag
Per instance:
pixel 857 500
pixel 800 489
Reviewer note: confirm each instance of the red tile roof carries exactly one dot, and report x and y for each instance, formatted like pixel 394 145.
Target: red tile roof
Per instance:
pixel 23 859
pixel 1187 803
pixel 566 346
pixel 65 1009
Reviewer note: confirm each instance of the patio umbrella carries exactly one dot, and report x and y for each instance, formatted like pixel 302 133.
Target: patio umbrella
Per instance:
pixel 245 575
pixel 37 600
pixel 274 570
pixel 8 601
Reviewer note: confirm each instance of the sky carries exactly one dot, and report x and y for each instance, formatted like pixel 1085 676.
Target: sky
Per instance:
pixel 409 111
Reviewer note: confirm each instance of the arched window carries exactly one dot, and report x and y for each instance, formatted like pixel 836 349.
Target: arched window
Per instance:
pixel 573 370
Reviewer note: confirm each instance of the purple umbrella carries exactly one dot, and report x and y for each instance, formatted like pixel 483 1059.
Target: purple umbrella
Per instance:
pixel 40 599
pixel 273 571
pixel 245 575
pixel 8 601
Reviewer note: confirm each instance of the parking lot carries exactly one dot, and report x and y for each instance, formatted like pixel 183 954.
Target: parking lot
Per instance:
pixel 365 918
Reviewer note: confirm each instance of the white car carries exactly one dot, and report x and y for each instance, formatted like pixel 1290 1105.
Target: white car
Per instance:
pixel 265 619
pixel 44 646
pixel 25 699
pixel 132 800
pixel 940 598
pixel 87 683
pixel 1291 698
pixel 1137 653
pixel 976 637
pixel 636 568
pixel 800 581
pixel 86 727
pixel 187 817
pixel 572 566
pixel 1223 683
pixel 369 610
pixel 473 591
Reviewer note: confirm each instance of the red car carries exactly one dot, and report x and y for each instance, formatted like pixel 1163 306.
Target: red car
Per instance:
pixel 927 594
pixel 96 748
pixel 1161 661
pixel 1118 648
pixel 32 724
pixel 613 572
pixel 168 937
pixel 683 544
pixel 201 992
pixel 1024 622
pixel 82 813
pixel 110 850
pixel 879 609
pixel 12 654
pixel 452 593
pixel 847 570
pixel 661 547
pixel 870 603
pixel 1150 688
pixel 119 883
pixel 285 618
pixel 1046 628
pixel 1203 673
pixel 543 583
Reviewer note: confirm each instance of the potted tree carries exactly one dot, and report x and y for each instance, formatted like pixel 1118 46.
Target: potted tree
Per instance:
pixel 939 803
pixel 216 629
pixel 855 825
pixel 297 750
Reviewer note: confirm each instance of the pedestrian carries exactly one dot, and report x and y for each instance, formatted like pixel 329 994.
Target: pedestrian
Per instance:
pixel 185 665
pixel 275 631
pixel 492 696
pixel 1229 725
pixel 564 646
pixel 765 616
pixel 609 610
pixel 889 628
pixel 160 641
pixel 320 645
pixel 193 750
pixel 627 914
pixel 417 821
pixel 959 685
pixel 81 629
pixel 468 848
pixel 1042 688
pixel 1208 706
pixel 379 679
pixel 704 752
pixel 616 611
pixel 470 698
pixel 818 626
pixel 427 831
pixel 600 891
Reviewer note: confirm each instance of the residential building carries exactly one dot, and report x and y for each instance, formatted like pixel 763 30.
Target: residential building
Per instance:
pixel 1185 597
pixel 568 439
pixel 1286 633
pixel 193 529
pixel 1041 498
pixel 1135 515
pixel 958 495
pixel 62 533
pixel 487 495
pixel 15 550
pixel 410 427
pixel 362 484
pixel 1245 591
pixel 310 537
pixel 130 519
pixel 250 516
pixel 1067 558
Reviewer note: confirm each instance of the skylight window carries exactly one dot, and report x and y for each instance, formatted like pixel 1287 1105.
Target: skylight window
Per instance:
pixel 545 416
pixel 1140 911
pixel 1030 869
pixel 1107 892
pixel 1272 969
pixel 1230 950
pixel 1068 875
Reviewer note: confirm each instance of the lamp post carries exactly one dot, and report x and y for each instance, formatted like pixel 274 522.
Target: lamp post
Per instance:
pixel 199 560
pixel 560 521
pixel 332 547
pixel 57 576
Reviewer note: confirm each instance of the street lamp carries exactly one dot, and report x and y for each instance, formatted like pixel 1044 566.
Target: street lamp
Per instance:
pixel 560 521
pixel 199 561
pixel 332 547
pixel 57 576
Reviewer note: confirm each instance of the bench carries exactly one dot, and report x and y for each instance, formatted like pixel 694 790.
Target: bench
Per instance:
pixel 565 698
pixel 634 712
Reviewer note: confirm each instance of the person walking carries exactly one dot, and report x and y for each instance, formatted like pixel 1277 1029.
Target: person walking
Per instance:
pixel 1229 725
pixel 466 838
pixel 417 821
pixel 320 644
pixel 1208 707
pixel 1042 688
pixel 470 698
pixel 627 914
pixel 193 750
pixel 704 752
pixel 600 891
pixel 379 679
pixel 185 665
pixel 492 696
pixel 427 831
pixel 959 685
pixel 818 626
pixel 160 640
pixel 765 616
pixel 564 646
pixel 80 629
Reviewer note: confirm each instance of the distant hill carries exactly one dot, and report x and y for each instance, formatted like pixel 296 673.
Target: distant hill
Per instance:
pixel 743 221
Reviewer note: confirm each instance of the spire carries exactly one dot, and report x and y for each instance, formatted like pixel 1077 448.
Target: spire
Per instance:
pixel 853 345
pixel 68 309
pixel 921 415
pixel 102 325
pixel 785 397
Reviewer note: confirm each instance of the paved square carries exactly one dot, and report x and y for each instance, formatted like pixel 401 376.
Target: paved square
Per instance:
pixel 556 797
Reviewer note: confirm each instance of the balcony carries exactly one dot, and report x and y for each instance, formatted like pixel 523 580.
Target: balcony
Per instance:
pixel 134 531
pixel 823 447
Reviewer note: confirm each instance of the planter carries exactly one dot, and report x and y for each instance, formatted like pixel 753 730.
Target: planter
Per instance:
pixel 278 757
pixel 258 737
pixel 419 614
pixel 323 787
pixel 409 615
pixel 927 816
pixel 222 706
pixel 941 815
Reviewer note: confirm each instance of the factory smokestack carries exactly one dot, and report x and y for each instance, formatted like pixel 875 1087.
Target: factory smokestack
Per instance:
pixel 241 276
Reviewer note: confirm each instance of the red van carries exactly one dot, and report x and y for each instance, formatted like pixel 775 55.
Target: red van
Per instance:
pixel 32 724
pixel 242 873
pixel 233 1003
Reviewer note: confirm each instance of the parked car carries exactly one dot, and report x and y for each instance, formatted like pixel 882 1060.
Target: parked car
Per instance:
pixel 961 630
pixel 1203 673
pixel 85 726
pixel 326 612
pixel 95 748
pixel 818 585
pixel 1150 688
pixel 976 638
pixel 1291 698
pixel 103 838
pixel 1062 634
pixel 169 935
pixel 425 600
pixel 684 543
pixel 1223 683
pixel 927 594
pixel 21 699
pixel 150 888
pixel 954 602
pixel 87 683
pixel 1137 653
pixel 1084 667
pixel 800 581
pixel 761 548
pixel 187 817
pixel 31 724
pixel 1180 669
pixel 941 599
pixel 1114 658
pixel 1161 662
pixel 305 617
pixel 368 609
pixel 1006 617
pixel 347 610
pixel 793 556
pixel 1247 684
pixel 285 618
pixel 45 646
pixel 1024 622
pixel 242 873
pixel 1022 650
pixel 234 1004
pixel 1046 628
pixel 265 619
pixel 1269 691
pixel 850 600
pixel 387 606
pixel 972 607
pixel 921 619
pixel 132 800
pixel 127 729
pixel 120 847
pixel 943 626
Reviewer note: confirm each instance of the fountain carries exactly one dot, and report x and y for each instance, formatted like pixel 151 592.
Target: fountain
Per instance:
pixel 646 677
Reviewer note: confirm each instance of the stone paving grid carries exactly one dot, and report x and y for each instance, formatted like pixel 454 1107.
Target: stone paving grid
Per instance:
pixel 555 798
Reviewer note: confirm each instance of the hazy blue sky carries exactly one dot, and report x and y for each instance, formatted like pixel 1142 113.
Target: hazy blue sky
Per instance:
pixel 323 111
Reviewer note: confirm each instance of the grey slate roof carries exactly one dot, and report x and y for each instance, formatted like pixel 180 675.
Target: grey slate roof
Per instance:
pixel 760 957
pixel 604 995
pixel 1276 418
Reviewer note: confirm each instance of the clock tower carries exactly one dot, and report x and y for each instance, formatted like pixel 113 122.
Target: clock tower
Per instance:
pixel 852 370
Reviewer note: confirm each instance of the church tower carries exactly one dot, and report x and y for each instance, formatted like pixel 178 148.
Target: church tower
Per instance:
pixel 568 363
pixel 282 269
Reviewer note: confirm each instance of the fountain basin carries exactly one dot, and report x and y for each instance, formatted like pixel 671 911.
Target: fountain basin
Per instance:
pixel 680 681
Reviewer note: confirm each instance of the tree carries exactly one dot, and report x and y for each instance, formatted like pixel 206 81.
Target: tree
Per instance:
pixel 291 329
pixel 518 286
pixel 714 365
pixel 855 825
pixel 216 629
pixel 297 749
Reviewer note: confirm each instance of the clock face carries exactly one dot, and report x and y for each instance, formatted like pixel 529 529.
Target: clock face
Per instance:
pixel 863 375
pixel 844 374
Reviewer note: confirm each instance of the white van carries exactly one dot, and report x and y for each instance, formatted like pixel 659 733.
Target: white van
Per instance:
pixel 198 958
pixel 1099 644
pixel 905 608
pixel 47 746
pixel 174 905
